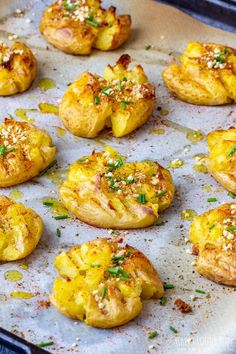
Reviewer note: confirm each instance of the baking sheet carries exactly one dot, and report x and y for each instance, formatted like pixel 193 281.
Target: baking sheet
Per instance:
pixel 211 328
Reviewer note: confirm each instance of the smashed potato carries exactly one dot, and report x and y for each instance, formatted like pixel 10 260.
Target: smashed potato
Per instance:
pixel 25 150
pixel 17 68
pixel 206 75
pixel 222 159
pixel 103 283
pixel 20 230
pixel 77 26
pixel 105 191
pixel 122 100
pixel 214 233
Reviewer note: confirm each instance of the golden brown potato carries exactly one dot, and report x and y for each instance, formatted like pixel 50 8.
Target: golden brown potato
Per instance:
pixel 20 230
pixel 214 233
pixel 206 75
pixel 103 283
pixel 122 100
pixel 222 158
pixel 25 150
pixel 104 191
pixel 17 68
pixel 77 26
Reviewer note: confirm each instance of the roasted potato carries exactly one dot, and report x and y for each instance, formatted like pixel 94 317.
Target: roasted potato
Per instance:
pixel 20 230
pixel 17 68
pixel 104 191
pixel 206 75
pixel 214 234
pixel 122 100
pixel 25 150
pixel 222 157
pixel 103 283
pixel 77 26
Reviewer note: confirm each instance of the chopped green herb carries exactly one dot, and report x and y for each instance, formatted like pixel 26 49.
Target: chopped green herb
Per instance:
pixel 199 291
pixel 104 291
pixel 48 204
pixel 142 199
pixel 117 271
pixel 82 159
pixel 46 344
pixel 95 265
pixel 69 84
pixel 10 116
pixel 173 329
pixel 92 22
pixel 128 254
pixel 58 233
pixel 120 85
pixel 219 59
pixel 113 166
pixel 232 151
pixel 124 103
pixel 96 100
pixel 112 185
pixel 152 335
pixel 114 271
pixel 148 46
pixel 230 194
pixel 116 259
pixel 231 228
pixel 210 200
pixel 168 286
pixel 43 172
pixel 161 193
pixel 4 151
pixel 211 226
pixel 129 180
pixel 69 6
pixel 61 217
pixel 115 232
pixel 163 301
pixel 107 90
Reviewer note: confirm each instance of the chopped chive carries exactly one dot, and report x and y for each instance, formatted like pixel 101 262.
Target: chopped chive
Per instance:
pixel 161 193
pixel 142 199
pixel 10 150
pixel 61 217
pixel 113 271
pixel 48 204
pixel 230 194
pixel 104 291
pixel 106 91
pixel 112 185
pixel 173 329
pixel 117 271
pixel 45 170
pixel 69 7
pixel 232 151
pixel 92 23
pixel 163 301
pixel 124 274
pixel 69 84
pixel 231 228
pixel 116 259
pixel 152 335
pixel 58 233
pixel 124 103
pixel 129 180
pixel 120 85
pixel 148 46
pixel 83 159
pixel 211 226
pixel 210 200
pixel 199 291
pixel 168 286
pixel 124 278
pixel 95 265
pixel 45 344
pixel 10 116
pixel 96 100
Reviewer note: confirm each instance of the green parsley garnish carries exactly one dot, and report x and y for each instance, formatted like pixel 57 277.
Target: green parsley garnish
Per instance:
pixel 95 265
pixel 211 200
pixel 173 329
pixel 61 217
pixel 163 301
pixel 96 100
pixel 113 166
pixel 148 46
pixel 232 151
pixel 69 7
pixel 124 103
pixel 230 194
pixel 168 286
pixel 92 22
pixel 4 150
pixel 231 228
pixel 45 344
pixel 53 163
pixel 199 291
pixel 161 193
pixel 116 259
pixel 119 271
pixel 107 91
pixel 69 84
pixel 104 291
pixel 48 204
pixel 142 199
pixel 211 226
pixel 152 335
pixel 58 233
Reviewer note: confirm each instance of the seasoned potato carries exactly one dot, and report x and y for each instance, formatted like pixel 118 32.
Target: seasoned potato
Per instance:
pixel 214 233
pixel 77 26
pixel 103 283
pixel 25 150
pixel 20 230
pixel 104 191
pixel 206 75
pixel 17 68
pixel 122 100
pixel 222 157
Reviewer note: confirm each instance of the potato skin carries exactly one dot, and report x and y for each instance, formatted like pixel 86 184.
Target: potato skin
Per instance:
pixel 20 231
pixel 17 68
pixel 196 81
pixel 108 199
pixel 27 150
pixel 69 30
pixel 87 291
pixel 216 245
pixel 222 158
pixel 122 100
